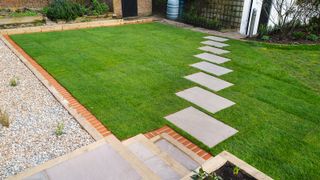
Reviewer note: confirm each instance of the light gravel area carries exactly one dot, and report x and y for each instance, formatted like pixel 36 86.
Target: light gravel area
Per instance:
pixel 34 113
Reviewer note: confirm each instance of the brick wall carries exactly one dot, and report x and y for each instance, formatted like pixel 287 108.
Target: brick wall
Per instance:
pixel 144 7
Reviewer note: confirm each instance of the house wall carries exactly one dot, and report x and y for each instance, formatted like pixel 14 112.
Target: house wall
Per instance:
pixel 256 4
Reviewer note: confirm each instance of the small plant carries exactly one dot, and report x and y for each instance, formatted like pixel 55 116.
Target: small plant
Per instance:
pixel 312 37
pixel 202 175
pixel 265 38
pixel 13 82
pixel 236 170
pixel 59 129
pixel 4 119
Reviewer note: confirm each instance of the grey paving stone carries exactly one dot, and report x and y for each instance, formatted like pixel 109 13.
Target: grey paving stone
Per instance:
pixel 211 68
pixel 177 154
pixel 212 58
pixel 208 81
pixel 215 38
pixel 201 126
pixel 205 99
pixel 213 50
pixel 153 162
pixel 214 43
pixel 101 163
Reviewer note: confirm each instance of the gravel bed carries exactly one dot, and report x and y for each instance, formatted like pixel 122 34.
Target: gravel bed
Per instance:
pixel 30 139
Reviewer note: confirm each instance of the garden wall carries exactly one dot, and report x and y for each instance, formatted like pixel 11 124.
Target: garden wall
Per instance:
pixel 37 3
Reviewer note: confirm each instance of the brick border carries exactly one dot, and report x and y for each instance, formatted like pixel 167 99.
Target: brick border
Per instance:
pixel 72 102
pixel 182 140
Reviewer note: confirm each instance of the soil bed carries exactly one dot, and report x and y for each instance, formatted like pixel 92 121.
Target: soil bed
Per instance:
pixel 227 172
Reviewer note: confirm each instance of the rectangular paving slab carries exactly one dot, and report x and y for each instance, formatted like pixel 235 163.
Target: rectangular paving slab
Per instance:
pixel 201 126
pixel 208 81
pixel 211 68
pixel 212 58
pixel 214 43
pixel 101 163
pixel 213 50
pixel 215 38
pixel 205 99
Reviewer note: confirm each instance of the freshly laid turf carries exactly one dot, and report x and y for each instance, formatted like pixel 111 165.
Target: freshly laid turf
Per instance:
pixel 127 77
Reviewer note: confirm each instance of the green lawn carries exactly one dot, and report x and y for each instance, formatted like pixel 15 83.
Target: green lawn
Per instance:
pixel 127 77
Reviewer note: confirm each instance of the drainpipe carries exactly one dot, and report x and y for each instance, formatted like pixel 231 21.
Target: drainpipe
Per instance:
pixel 249 17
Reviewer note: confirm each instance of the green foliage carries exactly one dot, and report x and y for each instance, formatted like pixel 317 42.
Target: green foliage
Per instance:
pixel 312 37
pixel 64 10
pixel 98 8
pixel 265 38
pixel 196 20
pixel 263 30
pixel 298 35
pixel 203 175
pixel 4 119
pixel 13 82
pixel 236 170
pixel 59 129
pixel 23 13
pixel 314 25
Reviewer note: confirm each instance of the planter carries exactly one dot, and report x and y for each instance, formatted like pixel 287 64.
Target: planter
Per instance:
pixel 20 20
pixel 223 165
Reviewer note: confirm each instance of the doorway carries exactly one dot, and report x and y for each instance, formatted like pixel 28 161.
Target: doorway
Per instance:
pixel 129 8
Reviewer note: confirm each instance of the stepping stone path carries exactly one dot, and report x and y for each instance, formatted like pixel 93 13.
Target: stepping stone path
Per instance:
pixel 213 43
pixel 208 81
pixel 212 58
pixel 205 99
pixel 214 38
pixel 213 50
pixel 198 124
pixel 201 126
pixel 211 68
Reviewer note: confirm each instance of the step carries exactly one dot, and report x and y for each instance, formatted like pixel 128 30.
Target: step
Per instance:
pixel 203 127
pixel 104 159
pixel 211 68
pixel 215 38
pixel 154 158
pixel 213 50
pixel 212 58
pixel 208 81
pixel 205 99
pixel 214 43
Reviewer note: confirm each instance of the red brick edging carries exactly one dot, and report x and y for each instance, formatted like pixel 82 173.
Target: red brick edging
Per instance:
pixel 185 142
pixel 66 95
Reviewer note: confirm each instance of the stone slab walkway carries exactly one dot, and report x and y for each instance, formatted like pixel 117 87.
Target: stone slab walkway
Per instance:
pixel 211 68
pixel 213 50
pixel 201 126
pixel 205 99
pixel 214 43
pixel 212 58
pixel 208 81
pixel 215 38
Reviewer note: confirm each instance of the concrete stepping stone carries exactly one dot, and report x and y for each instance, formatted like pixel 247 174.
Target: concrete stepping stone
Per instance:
pixel 211 68
pixel 215 38
pixel 213 50
pixel 208 81
pixel 212 58
pixel 205 99
pixel 201 126
pixel 214 43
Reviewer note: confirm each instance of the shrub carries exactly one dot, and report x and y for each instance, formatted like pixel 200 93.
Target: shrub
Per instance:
pixel 265 38
pixel 64 10
pixel 263 30
pixel 312 37
pixel 4 119
pixel 195 20
pixel 298 35
pixel 98 8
